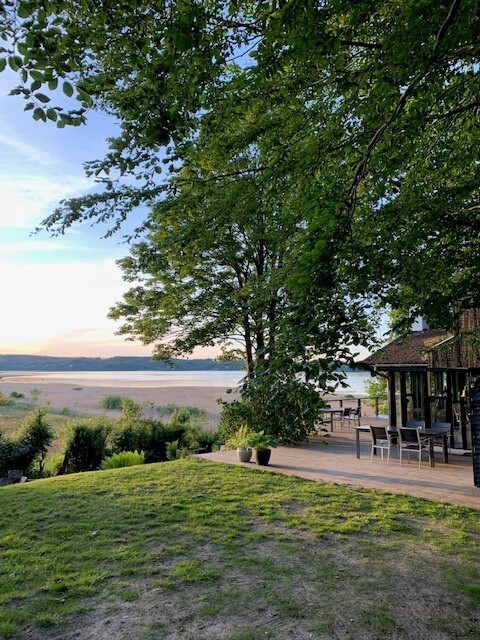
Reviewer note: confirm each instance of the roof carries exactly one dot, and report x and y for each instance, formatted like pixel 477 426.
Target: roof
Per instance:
pixel 409 351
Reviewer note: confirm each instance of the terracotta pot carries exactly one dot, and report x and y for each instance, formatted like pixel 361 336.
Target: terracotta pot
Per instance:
pixel 244 455
pixel 262 456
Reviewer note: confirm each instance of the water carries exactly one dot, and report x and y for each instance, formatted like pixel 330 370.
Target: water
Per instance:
pixel 152 379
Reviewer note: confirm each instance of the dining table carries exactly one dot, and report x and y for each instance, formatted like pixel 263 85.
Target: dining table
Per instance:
pixel 331 411
pixel 431 434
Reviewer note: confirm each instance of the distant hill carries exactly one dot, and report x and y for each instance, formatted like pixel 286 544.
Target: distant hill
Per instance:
pixel 118 363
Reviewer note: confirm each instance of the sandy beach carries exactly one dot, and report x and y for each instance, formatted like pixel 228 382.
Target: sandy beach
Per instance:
pixel 85 396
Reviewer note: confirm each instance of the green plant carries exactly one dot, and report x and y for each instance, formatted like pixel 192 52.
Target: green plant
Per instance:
pixel 241 439
pixel 111 402
pixel 35 393
pixel 123 459
pixel 377 388
pixel 172 450
pixel 28 444
pixel 86 445
pixel 260 440
pixel 52 464
pixel 3 399
pixel 16 394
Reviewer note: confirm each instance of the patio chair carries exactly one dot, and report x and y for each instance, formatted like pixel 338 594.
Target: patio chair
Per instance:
pixel 383 440
pixel 411 441
pixel 351 416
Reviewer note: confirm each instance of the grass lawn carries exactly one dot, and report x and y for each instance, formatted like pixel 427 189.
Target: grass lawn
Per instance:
pixel 197 550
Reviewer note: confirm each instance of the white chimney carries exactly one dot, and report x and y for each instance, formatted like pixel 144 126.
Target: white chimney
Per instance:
pixel 419 324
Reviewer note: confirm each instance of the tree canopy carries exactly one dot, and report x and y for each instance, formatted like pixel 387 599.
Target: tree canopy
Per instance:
pixel 363 117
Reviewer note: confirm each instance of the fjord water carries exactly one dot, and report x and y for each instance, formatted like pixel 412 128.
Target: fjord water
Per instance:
pixel 151 379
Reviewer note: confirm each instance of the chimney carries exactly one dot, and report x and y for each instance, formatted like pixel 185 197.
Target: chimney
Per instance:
pixel 419 324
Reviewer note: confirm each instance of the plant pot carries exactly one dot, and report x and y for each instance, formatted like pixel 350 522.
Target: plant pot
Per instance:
pixel 262 456
pixel 244 455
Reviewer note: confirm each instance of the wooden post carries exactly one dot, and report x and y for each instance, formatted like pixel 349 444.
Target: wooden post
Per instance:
pixel 403 397
pixel 376 407
pixel 426 400
pixel 392 408
pixel 475 426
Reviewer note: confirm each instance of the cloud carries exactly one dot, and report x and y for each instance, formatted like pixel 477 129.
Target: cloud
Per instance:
pixel 26 199
pixel 49 304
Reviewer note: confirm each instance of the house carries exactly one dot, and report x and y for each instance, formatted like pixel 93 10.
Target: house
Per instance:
pixel 434 375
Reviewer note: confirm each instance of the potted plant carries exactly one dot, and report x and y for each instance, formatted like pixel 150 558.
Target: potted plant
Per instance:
pixel 241 442
pixel 261 444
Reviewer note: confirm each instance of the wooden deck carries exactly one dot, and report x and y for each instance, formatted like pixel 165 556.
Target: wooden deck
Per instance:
pixel 337 462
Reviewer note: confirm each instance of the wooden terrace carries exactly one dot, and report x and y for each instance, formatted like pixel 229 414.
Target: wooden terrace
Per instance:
pixel 337 462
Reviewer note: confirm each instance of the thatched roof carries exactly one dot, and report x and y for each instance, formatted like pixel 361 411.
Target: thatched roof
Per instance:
pixel 413 350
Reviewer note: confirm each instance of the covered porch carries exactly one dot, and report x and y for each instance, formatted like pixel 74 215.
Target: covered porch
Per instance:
pixel 337 463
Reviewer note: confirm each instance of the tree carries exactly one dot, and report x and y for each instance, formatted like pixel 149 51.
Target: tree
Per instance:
pixel 366 112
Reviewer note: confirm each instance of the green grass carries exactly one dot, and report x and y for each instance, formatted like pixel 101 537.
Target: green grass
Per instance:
pixel 204 550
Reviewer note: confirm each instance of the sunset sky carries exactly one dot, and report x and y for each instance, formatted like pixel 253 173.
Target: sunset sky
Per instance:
pixel 54 292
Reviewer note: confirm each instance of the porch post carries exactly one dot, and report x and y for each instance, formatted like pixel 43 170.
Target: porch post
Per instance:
pixel 392 407
pixel 475 426
pixel 403 397
pixel 426 400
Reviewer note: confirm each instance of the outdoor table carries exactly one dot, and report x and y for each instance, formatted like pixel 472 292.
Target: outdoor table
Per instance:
pixel 431 434
pixel 332 412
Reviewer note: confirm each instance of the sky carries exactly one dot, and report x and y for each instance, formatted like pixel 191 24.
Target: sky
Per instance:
pixel 55 292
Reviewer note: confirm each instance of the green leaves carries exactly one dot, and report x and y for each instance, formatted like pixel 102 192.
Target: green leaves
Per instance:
pixel 67 89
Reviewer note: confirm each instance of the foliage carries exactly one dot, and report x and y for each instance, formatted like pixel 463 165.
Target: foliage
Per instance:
pixel 86 445
pixel 16 394
pixel 260 440
pixel 169 409
pixel 111 402
pixel 241 439
pixel 3 399
pixel 28 445
pixel 35 393
pixel 52 464
pixel 123 459
pixel 172 450
pixel 377 388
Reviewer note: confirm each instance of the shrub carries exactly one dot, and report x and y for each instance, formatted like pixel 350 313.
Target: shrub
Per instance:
pixel 35 393
pixel 86 445
pixel 52 464
pixel 133 432
pixel 28 445
pixel 16 394
pixel 123 459
pixel 112 402
pixel 3 399
pixel 196 438
pixel 169 409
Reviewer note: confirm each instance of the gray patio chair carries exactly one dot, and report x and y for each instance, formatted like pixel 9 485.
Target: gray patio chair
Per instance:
pixel 351 416
pixel 411 441
pixel 382 440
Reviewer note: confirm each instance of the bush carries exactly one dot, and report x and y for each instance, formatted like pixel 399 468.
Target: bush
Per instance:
pixel 112 402
pixel 136 433
pixel 16 394
pixel 169 409
pixel 86 445
pixel 28 445
pixel 123 459
pixel 3 399
pixel 276 402
pixel 52 464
